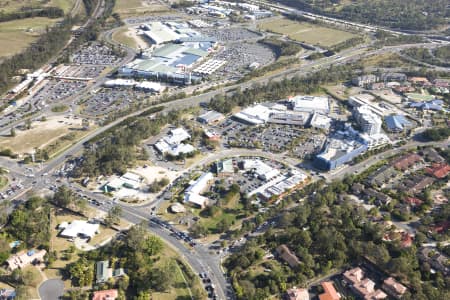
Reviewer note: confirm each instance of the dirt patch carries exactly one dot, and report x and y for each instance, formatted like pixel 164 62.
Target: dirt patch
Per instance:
pixel 42 133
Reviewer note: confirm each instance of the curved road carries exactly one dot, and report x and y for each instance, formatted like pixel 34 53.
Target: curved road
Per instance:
pixel 51 289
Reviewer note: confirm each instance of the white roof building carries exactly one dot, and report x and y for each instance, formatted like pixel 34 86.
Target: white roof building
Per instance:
pixel 150 86
pixel 131 177
pixel 196 200
pixel 119 82
pixel 177 136
pixel 159 33
pixel 172 143
pixel 174 150
pixel 261 169
pixel 255 115
pixel 192 193
pixel 310 104
pixel 199 185
pixel 80 228
pixel 320 121
pixel 115 184
pixel 368 120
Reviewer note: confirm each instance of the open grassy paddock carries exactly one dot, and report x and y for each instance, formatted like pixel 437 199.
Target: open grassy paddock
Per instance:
pixel 306 32
pixel 3 181
pixel 8 6
pixel 18 34
pixel 129 8
pixel 124 37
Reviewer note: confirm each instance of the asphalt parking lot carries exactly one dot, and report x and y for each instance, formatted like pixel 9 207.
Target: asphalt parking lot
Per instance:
pixel 239 56
pixel 57 90
pixel 111 99
pixel 230 34
pixel 95 54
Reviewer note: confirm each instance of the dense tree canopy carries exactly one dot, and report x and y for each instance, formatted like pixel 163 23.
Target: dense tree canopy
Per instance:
pixel 404 14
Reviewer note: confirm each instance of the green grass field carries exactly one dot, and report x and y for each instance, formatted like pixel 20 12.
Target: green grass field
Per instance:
pixel 3 182
pixel 121 37
pixel 128 8
pixel 306 32
pixel 18 34
pixel 14 5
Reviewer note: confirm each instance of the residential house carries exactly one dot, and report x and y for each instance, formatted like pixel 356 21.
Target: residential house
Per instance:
pixel 357 188
pixel 416 184
pixel 104 272
pixel 380 198
pixel 422 81
pixel 438 170
pixel 432 155
pixel 296 294
pixel 330 292
pixel 382 176
pixel 354 275
pixel 405 162
pixel 286 255
pixel 365 289
pixel 106 295
pixel 440 82
pixel 436 260
pixel 393 77
pixel 364 80
pixel 394 288
pixel 441 227
pixel 413 202
pixel 25 258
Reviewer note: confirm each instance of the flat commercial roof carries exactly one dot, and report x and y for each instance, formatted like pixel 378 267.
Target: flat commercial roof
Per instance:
pixel 310 103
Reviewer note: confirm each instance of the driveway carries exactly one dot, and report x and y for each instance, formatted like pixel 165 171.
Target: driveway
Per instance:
pixel 51 289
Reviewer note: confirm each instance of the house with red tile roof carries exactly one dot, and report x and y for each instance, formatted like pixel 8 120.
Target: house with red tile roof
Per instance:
pixel 330 292
pixel 105 295
pixel 406 240
pixel 439 170
pixel 412 201
pixel 405 162
pixel 441 227
pixel 419 80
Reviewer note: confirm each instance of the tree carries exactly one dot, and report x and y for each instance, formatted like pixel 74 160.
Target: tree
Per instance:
pixel 163 277
pixel 143 295
pixel 198 230
pixel 223 225
pixel 152 245
pixel 63 197
pixel 82 272
pixel 113 216
pixel 12 132
pixel 28 124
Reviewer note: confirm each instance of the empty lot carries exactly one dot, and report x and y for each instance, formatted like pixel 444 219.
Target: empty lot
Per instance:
pixel 306 32
pixel 18 34
pixel 14 5
pixel 40 134
pixel 129 8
